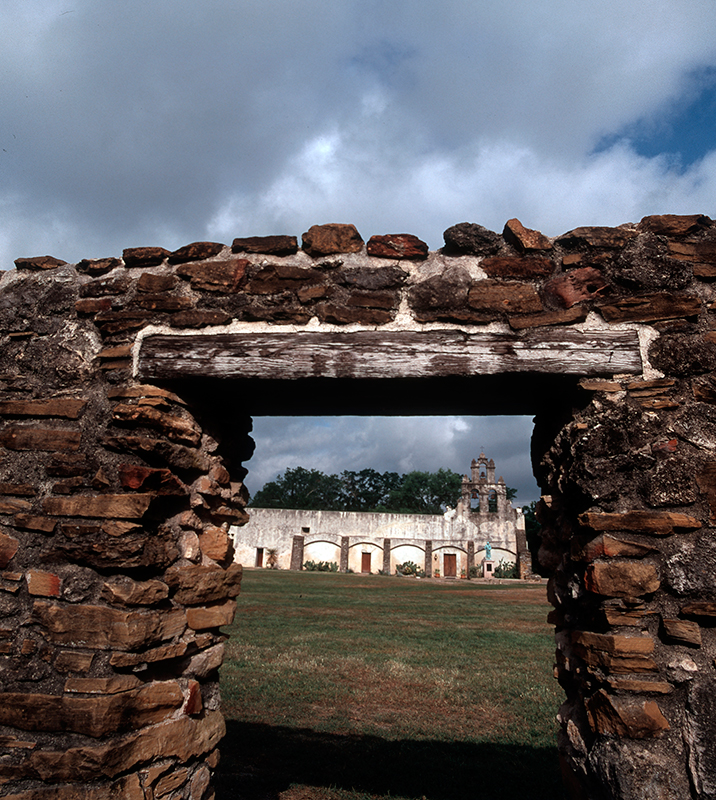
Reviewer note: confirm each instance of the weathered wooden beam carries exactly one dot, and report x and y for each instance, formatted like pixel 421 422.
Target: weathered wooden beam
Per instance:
pixel 387 354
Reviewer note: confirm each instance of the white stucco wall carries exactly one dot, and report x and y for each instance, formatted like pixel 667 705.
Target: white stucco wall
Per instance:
pixel 323 531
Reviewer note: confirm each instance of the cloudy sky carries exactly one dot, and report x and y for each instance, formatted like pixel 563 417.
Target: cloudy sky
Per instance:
pixel 160 123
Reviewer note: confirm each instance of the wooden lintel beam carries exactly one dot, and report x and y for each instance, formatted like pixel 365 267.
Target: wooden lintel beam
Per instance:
pixel 388 354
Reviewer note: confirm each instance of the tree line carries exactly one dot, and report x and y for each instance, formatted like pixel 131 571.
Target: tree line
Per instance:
pixel 414 492
pixel 365 490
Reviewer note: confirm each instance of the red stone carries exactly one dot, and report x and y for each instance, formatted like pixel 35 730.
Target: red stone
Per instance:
pixel 109 506
pixel 576 286
pixel 39 262
pixel 621 578
pixel 49 439
pixel 43 584
pixel 269 245
pixel 216 276
pixel 144 256
pixel 566 317
pixel 195 251
pixel 517 266
pixel 597 237
pixel 152 282
pixel 397 246
pixel 625 717
pixel 674 224
pixel 323 240
pixel 98 266
pixel 55 407
pixel 8 548
pixel 650 308
pixel 512 298
pixel 525 239
pixel 655 523
pixel 148 479
pixel 164 302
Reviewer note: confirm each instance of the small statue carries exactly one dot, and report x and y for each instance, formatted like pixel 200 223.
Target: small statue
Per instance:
pixel 488 552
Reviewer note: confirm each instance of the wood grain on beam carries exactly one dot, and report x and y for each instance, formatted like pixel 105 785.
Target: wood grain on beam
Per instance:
pixel 388 354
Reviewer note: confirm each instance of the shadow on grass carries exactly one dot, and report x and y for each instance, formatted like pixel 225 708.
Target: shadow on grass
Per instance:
pixel 258 762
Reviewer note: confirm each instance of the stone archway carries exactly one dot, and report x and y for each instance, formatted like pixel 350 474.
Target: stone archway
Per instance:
pixel 126 389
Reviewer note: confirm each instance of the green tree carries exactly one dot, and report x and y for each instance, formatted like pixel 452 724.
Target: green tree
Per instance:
pixel 425 492
pixel 533 532
pixel 366 490
pixel 300 488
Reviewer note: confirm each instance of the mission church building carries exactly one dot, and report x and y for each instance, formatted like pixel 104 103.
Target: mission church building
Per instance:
pixel 483 530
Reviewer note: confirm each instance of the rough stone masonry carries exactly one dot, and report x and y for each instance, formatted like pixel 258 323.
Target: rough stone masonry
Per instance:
pixel 121 473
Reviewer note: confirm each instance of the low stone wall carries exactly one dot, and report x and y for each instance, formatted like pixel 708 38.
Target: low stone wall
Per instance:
pixel 117 488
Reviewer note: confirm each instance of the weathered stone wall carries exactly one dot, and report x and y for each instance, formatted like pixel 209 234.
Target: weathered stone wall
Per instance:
pixel 116 491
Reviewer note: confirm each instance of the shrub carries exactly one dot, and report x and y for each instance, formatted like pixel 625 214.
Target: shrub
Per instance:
pixel 506 569
pixel 321 566
pixel 409 568
pixel 475 572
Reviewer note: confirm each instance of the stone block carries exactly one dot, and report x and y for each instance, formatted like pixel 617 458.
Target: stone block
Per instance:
pixel 615 644
pixel 68 408
pixel 625 717
pixel 94 716
pixel 11 505
pixel 144 256
pixel 204 663
pixel 517 267
pixel 524 239
pixel 511 298
pixel 124 591
pixel 269 245
pixel 226 276
pixel 154 283
pixel 94 305
pixel 39 263
pixel 164 302
pixel 15 437
pixel 149 479
pixel 372 278
pixel 195 252
pixel 345 315
pixel 214 616
pixel 8 548
pixel 98 266
pixel 184 738
pixel 165 652
pixel 651 308
pixel 700 609
pixel 101 287
pixel 397 246
pixel 622 578
pixel 73 661
pixel 575 286
pixel 596 237
pixel 673 224
pixel 113 685
pixel 106 628
pixel 42 584
pixel 277 278
pixel 469 238
pixel 197 583
pixel 607 546
pixel 198 318
pixel 330 239
pixel 639 685
pixel 654 523
pixel 700 253
pixel 127 788
pixel 216 543
pixel 113 322
pixel 105 506
pixel 682 631
pixel 177 428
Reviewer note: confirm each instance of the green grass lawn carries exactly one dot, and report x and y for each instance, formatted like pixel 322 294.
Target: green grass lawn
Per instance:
pixel 344 687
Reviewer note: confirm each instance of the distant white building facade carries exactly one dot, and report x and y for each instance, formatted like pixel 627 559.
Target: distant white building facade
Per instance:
pixel 447 544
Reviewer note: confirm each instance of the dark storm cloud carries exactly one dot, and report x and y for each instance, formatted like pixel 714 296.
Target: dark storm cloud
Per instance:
pixel 395 444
